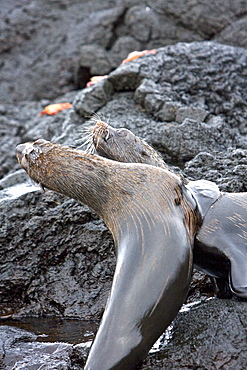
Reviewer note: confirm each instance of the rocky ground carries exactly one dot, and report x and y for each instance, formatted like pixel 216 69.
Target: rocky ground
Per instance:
pixel 188 101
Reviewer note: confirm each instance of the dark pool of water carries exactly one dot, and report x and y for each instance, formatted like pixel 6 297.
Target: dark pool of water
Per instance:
pixel 53 329
pixel 75 331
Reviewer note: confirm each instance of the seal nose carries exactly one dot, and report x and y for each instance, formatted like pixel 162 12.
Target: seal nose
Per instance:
pixel 19 151
pixel 22 151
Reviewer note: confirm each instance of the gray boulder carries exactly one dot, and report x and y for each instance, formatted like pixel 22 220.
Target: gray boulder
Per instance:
pixel 18 350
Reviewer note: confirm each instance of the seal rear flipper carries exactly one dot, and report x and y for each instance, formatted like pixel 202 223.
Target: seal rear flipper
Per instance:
pixel 238 275
pixel 221 287
pixel 150 284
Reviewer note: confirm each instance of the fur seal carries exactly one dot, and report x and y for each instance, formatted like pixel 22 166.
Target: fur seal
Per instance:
pixel 153 219
pixel 220 248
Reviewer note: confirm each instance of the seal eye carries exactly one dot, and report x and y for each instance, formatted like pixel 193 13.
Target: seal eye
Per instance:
pixel 122 132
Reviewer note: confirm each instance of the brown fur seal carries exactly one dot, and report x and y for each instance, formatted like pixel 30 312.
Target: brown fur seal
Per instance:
pixel 220 248
pixel 153 220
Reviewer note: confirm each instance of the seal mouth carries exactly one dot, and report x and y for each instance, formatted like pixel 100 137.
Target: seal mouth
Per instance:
pixel 96 135
pixel 102 137
pixel 105 135
pixel 101 131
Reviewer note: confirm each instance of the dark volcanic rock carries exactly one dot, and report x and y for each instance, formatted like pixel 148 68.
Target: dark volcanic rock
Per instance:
pixel 22 122
pixel 20 351
pixel 51 47
pixel 60 260
pixel 234 34
pixel 228 169
pixel 205 76
pixel 52 248
pixel 41 44
pixel 185 85
pixel 210 336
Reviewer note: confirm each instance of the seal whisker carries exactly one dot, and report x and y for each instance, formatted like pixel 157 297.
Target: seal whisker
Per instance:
pixel 85 142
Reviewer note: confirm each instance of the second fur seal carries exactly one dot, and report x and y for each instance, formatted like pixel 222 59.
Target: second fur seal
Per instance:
pixel 220 248
pixel 153 219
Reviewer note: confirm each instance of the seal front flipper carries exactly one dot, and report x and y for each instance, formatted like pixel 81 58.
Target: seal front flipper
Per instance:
pixel 221 287
pixel 238 276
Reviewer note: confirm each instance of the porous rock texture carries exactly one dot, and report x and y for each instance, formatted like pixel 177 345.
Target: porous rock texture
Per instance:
pixel 48 48
pixel 188 101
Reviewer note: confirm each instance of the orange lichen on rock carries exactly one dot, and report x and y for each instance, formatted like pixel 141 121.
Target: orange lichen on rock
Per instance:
pixel 95 79
pixel 55 108
pixel 137 54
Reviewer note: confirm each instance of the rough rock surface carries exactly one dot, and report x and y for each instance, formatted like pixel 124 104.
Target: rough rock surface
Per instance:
pixel 228 169
pixel 211 335
pixel 57 257
pixel 18 350
pixel 51 47
pixel 60 262
pixel 186 85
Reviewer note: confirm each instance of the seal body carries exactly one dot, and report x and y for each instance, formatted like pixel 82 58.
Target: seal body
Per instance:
pixel 153 219
pixel 221 244
pixel 220 248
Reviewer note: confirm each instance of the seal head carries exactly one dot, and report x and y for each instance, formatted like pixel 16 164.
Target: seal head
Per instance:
pixel 112 143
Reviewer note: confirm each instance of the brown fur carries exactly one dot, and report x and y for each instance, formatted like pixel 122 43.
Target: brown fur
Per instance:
pixel 105 185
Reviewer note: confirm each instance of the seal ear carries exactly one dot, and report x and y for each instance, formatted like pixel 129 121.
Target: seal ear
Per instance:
pixel 153 272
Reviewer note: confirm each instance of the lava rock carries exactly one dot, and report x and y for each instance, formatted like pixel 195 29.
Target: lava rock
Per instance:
pixel 60 262
pixel 228 169
pixel 211 335
pixel 20 351
pixel 48 48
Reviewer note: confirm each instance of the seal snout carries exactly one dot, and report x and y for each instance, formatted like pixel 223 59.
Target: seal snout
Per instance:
pixel 19 150
pixel 101 133
pixel 22 151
